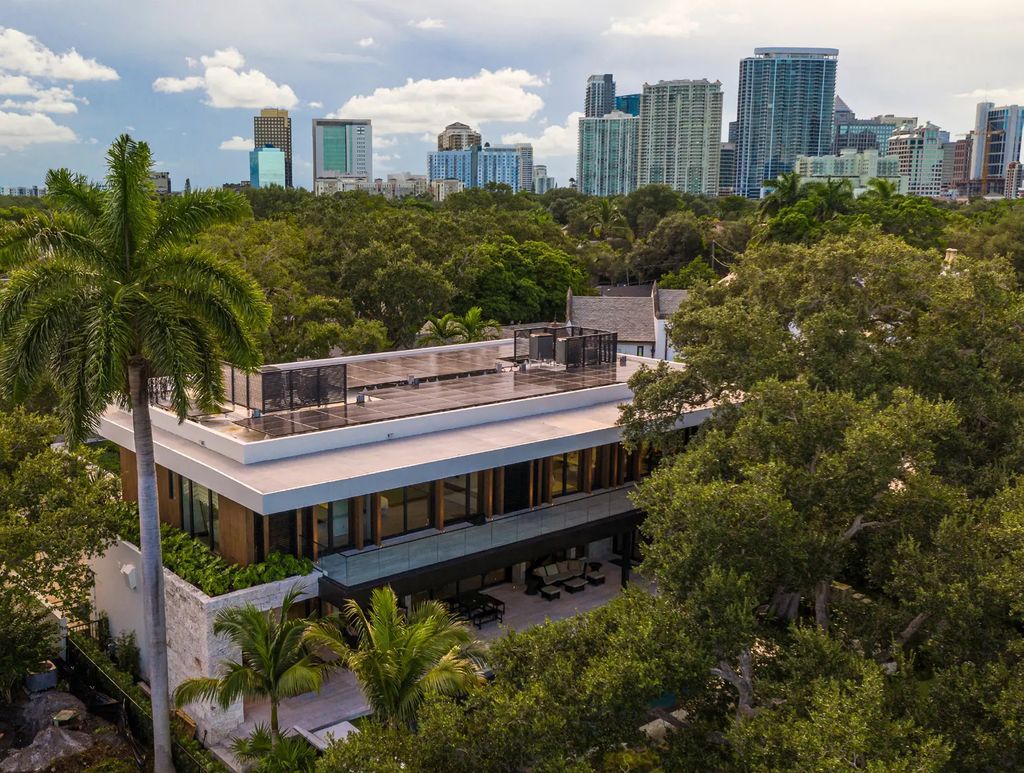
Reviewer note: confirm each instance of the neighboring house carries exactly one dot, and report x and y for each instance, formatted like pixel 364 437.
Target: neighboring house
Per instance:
pixel 637 314
pixel 435 471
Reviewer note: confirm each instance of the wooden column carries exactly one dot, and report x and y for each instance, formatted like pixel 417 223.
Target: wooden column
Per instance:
pixel 546 467
pixel 533 475
pixel 488 489
pixel 439 505
pixel 499 491
pixel 636 464
pixel 358 538
pixel 586 464
pixel 604 467
pixel 375 509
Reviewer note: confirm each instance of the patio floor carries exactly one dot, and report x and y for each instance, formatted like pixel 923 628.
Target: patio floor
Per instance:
pixel 341 698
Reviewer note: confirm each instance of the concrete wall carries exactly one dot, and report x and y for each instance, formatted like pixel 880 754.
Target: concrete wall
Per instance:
pixel 192 648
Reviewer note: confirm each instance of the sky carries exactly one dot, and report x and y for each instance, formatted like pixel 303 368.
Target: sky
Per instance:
pixel 187 76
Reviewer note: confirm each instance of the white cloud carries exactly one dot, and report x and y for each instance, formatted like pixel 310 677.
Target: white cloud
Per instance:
pixel 1001 96
pixel 365 42
pixel 315 105
pixel 673 21
pixel 227 86
pixel 56 99
pixel 224 57
pixel 93 141
pixel 169 85
pixel 23 53
pixel 556 140
pixel 237 143
pixel 385 142
pixel 427 24
pixel 419 106
pixel 18 131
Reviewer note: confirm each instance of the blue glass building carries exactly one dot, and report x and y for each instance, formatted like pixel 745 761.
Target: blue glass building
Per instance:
pixel 628 103
pixel 267 167
pixel 476 167
pixel 784 110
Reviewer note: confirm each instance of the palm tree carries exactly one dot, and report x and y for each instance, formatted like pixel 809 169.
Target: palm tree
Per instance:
pixel 439 331
pixel 401 659
pixel 474 327
pixel 786 191
pixel 881 189
pixel 831 197
pixel 291 754
pixel 275 662
pixel 107 291
pixel 605 218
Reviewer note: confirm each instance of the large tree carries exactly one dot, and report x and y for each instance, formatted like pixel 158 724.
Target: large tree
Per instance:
pixel 109 291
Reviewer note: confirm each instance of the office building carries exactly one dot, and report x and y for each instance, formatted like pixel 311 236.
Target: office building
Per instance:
pixel 476 167
pixel 997 141
pixel 274 127
pixel 849 164
pixel 600 96
pixel 784 110
pixel 342 147
pixel 541 182
pixel 436 471
pixel 681 135
pixel 920 155
pixel 961 172
pixel 524 160
pixel 162 182
pixel 727 169
pixel 628 103
pixel 606 160
pixel 458 136
pixel 267 166
pixel 866 133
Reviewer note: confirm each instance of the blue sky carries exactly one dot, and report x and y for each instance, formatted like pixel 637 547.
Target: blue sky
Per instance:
pixel 188 75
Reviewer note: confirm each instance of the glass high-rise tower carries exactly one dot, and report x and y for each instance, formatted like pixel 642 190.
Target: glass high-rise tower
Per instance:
pixel 274 127
pixel 600 97
pixel 784 110
pixel 607 154
pixel 342 147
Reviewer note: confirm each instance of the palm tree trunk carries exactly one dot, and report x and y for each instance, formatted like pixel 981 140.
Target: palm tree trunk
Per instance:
pixel 152 567
pixel 274 728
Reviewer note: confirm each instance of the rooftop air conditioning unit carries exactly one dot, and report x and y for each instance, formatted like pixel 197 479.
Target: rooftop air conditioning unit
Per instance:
pixel 542 346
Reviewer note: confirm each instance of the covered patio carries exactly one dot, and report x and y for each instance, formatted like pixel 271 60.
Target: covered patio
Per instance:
pixel 342 699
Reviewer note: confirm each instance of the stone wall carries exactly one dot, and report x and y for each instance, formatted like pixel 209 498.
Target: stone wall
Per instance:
pixel 192 648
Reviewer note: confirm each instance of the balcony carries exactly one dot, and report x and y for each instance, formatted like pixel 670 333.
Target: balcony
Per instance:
pixel 416 551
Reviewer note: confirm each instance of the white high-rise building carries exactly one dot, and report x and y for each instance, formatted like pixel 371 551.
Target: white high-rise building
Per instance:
pixel 458 136
pixel 606 161
pixel 342 148
pixel 997 144
pixel 524 157
pixel 849 164
pixel 541 182
pixel 680 135
pixel 921 155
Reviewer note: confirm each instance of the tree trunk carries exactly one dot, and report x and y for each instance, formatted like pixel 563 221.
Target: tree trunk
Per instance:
pixel 822 593
pixel 784 605
pixel 743 681
pixel 152 567
pixel 274 726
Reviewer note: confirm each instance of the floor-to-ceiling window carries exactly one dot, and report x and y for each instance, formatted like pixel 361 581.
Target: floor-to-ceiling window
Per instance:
pixel 463 497
pixel 565 474
pixel 199 512
pixel 406 509
pixel 334 525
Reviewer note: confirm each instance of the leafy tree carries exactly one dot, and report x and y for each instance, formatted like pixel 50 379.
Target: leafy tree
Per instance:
pixel 647 205
pixel 275 661
pixel 402 659
pixel 439 331
pixel 697 271
pixel 676 242
pixel 108 292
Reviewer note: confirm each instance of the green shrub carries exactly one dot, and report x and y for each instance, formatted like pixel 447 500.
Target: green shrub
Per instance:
pixel 195 563
pixel 126 653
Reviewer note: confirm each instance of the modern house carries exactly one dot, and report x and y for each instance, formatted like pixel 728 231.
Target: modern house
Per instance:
pixel 436 471
pixel 639 315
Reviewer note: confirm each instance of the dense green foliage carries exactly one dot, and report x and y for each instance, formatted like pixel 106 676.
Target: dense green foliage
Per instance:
pixel 195 563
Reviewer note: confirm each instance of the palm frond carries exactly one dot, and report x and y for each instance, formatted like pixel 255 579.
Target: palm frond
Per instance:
pixel 74 193
pixel 197 690
pixel 129 205
pixel 181 218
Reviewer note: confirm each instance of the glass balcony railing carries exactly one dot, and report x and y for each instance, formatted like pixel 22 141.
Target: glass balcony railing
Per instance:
pixel 413 551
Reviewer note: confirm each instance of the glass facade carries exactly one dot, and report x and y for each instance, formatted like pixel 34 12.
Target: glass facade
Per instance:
pixel 606 162
pixel 784 109
pixel 199 512
pixel 266 167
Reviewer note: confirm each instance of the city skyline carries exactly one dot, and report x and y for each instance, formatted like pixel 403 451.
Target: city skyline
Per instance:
pixel 191 90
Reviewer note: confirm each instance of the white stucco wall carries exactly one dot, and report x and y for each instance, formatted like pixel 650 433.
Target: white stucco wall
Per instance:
pixel 192 648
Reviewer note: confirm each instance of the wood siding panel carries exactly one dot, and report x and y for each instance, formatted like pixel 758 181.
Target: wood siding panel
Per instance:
pixel 129 476
pixel 236 532
pixel 169 506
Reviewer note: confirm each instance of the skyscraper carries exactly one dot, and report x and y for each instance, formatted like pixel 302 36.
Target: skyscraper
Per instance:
pixel 274 127
pixel 784 110
pixel 862 134
pixel 342 147
pixel 727 169
pixel 524 159
pixel 476 167
pixel 628 103
pixel 267 166
pixel 680 135
pixel 541 182
pixel 600 97
pixel 920 154
pixel 458 136
pixel 607 154
pixel 997 140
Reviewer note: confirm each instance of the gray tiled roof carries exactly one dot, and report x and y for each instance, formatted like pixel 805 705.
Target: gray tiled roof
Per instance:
pixel 631 318
pixel 669 300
